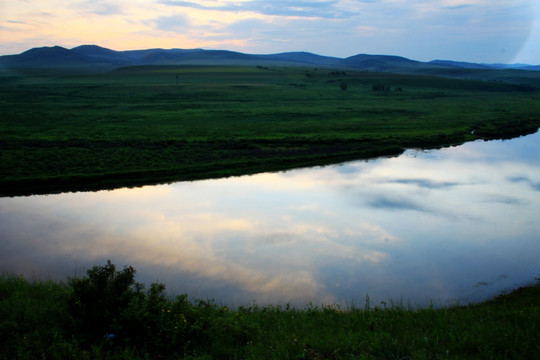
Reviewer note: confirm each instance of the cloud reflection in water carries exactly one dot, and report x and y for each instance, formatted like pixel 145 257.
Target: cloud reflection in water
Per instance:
pixel 421 226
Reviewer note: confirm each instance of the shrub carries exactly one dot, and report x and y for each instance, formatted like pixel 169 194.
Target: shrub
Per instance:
pixel 110 309
pixel 99 299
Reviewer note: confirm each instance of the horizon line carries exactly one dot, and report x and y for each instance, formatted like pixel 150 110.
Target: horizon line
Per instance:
pixel 265 54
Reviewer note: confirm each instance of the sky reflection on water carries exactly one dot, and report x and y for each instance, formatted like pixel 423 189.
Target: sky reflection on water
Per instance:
pixel 452 225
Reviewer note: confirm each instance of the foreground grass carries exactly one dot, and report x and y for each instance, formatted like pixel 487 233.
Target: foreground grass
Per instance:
pixel 141 125
pixel 107 315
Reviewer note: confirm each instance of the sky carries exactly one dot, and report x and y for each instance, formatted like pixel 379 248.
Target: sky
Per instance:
pixel 485 31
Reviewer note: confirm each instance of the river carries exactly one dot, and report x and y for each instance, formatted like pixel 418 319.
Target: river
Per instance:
pixel 445 227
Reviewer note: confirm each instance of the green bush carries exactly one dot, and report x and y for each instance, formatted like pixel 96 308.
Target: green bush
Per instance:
pixel 109 308
pixel 99 299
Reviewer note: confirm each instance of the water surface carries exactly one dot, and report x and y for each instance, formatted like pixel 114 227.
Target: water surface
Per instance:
pixel 448 226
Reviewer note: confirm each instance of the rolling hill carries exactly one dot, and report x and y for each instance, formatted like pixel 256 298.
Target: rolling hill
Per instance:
pixel 96 58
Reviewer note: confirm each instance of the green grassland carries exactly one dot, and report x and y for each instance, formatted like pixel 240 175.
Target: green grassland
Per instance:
pixel 139 125
pixel 107 315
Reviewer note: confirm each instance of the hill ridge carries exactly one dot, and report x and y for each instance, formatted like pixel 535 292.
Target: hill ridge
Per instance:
pixel 91 57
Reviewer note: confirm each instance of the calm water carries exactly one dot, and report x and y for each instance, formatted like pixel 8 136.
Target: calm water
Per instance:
pixel 453 225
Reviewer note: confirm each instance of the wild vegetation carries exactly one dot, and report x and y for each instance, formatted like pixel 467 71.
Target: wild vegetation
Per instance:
pixel 108 315
pixel 149 124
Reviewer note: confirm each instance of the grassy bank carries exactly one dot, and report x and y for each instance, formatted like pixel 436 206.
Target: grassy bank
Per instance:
pixel 140 125
pixel 107 315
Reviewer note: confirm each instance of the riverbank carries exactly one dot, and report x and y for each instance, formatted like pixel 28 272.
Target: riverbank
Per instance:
pixel 108 315
pixel 139 126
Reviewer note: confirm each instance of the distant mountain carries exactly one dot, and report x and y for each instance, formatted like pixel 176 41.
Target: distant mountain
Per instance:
pixel 384 63
pixel 167 57
pixel 85 56
pixel 459 64
pixel 305 58
pixel 99 53
pixel 96 58
pixel 515 66
pixel 468 65
pixel 89 55
pixel 55 56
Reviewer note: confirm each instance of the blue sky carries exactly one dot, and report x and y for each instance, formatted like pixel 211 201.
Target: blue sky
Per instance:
pixel 465 30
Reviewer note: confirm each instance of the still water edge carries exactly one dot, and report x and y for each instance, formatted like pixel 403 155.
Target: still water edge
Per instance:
pixel 447 226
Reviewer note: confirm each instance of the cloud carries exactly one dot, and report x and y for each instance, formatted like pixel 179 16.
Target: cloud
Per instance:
pixel 270 258
pixel 99 7
pixel 533 184
pixel 274 33
pixel 176 22
pixel 396 203
pixel 188 4
pixel 298 8
pixel 507 200
pixel 425 183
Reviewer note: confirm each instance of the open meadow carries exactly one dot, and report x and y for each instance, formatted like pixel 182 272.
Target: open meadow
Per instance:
pixel 152 124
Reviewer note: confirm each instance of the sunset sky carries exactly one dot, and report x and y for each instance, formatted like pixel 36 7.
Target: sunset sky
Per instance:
pixel 505 31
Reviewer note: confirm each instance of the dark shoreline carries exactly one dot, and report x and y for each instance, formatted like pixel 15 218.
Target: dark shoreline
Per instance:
pixel 29 187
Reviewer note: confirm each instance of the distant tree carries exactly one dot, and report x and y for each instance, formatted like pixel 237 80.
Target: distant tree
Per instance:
pixel 343 85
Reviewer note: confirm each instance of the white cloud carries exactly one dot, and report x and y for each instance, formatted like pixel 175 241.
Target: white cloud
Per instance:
pixel 297 8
